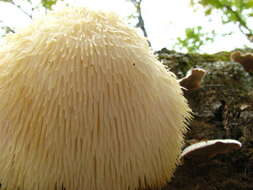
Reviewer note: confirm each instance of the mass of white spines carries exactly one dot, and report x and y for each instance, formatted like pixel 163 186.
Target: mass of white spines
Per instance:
pixel 86 106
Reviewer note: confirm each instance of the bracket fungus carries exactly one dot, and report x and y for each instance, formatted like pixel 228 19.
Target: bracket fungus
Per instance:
pixel 193 79
pixel 208 149
pixel 245 60
pixel 86 105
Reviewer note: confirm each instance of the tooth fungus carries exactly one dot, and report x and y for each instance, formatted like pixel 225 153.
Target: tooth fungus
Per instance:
pixel 85 105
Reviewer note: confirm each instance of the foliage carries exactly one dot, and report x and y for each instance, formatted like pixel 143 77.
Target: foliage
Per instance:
pixel 5 29
pixel 43 4
pixel 235 11
pixel 8 29
pixel 232 11
pixel 48 3
pixel 195 38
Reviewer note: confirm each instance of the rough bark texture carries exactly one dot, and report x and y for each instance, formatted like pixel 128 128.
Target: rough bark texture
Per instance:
pixel 223 109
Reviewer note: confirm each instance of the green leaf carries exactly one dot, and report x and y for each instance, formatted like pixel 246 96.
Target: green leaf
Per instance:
pixel 249 4
pixel 7 1
pixel 194 39
pixel 208 11
pixel 48 3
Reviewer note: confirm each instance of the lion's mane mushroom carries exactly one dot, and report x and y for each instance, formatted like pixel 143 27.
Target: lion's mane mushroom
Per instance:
pixel 85 105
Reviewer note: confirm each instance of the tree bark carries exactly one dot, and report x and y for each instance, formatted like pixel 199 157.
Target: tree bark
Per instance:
pixel 223 109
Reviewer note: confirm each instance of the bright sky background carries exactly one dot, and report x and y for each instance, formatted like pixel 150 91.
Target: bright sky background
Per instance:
pixel 165 20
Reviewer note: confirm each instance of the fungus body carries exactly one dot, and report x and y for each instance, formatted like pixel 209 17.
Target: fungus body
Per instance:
pixel 86 106
pixel 193 79
pixel 204 150
pixel 246 60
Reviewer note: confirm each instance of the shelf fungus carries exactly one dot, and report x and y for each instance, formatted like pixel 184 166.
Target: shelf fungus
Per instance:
pixel 193 79
pixel 246 60
pixel 204 150
pixel 85 105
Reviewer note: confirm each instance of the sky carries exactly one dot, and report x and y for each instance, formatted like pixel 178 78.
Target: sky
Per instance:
pixel 165 20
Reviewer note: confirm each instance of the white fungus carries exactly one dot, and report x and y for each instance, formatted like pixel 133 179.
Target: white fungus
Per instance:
pixel 85 105
pixel 208 149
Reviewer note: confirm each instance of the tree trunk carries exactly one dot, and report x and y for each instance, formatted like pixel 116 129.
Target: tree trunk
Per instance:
pixel 223 109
